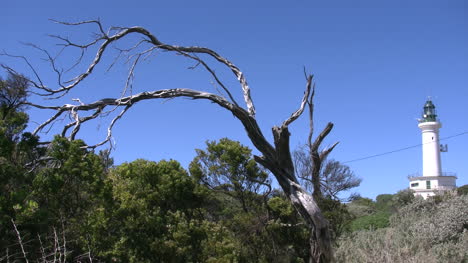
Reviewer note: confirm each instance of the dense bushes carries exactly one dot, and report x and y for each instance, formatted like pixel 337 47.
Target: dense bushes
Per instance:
pixel 370 215
pixel 373 221
pixel 462 190
pixel 73 209
pixel 434 230
pixel 74 206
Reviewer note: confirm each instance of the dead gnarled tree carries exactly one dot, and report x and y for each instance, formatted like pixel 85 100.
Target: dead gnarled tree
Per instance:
pixel 324 178
pixel 275 156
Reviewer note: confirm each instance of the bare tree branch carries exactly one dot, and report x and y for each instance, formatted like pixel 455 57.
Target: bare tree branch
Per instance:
pixel 318 141
pixel 305 99
pixel 317 158
pixel 20 240
pixel 324 153
pixel 97 22
pixel 39 84
pixel 212 74
pixel 311 115
pixel 276 158
pixel 43 255
pixel 129 101
pixel 107 40
pixel 51 60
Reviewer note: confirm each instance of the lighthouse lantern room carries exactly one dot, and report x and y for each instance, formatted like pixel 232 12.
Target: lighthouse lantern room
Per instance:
pixel 432 180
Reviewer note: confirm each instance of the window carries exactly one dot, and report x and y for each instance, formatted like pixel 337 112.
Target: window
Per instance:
pixel 414 184
pixel 428 184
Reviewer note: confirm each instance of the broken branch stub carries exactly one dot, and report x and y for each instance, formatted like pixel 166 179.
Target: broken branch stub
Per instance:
pixel 276 157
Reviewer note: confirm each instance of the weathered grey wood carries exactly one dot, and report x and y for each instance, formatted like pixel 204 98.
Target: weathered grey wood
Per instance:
pixel 276 157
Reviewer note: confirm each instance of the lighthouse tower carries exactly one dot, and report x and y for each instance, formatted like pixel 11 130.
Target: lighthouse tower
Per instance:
pixel 432 180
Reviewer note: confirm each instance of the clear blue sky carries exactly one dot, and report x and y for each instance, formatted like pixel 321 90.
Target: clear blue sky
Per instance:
pixel 375 63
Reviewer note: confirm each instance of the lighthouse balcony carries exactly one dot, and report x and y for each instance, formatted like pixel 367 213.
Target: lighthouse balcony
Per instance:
pixel 417 176
pixel 423 184
pixel 423 187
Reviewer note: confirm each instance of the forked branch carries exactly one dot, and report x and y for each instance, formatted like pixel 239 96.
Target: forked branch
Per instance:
pixel 276 157
pixel 304 101
pixel 129 101
pixel 105 40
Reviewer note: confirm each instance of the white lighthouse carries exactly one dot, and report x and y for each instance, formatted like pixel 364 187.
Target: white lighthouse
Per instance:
pixel 432 180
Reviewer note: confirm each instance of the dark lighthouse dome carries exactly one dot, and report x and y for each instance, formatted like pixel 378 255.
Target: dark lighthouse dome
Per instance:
pixel 429 112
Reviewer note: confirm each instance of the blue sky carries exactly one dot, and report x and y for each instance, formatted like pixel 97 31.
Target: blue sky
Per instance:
pixel 375 63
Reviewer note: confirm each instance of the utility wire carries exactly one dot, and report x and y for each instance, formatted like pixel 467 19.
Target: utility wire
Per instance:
pixel 402 149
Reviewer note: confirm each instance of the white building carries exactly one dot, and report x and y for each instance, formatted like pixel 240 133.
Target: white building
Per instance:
pixel 432 180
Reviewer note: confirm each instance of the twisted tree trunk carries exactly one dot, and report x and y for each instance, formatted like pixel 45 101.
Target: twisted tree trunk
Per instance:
pixel 283 169
pixel 275 158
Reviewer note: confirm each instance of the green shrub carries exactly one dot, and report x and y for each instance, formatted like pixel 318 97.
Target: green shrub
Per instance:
pixel 404 197
pixel 424 231
pixel 384 202
pixel 361 207
pixel 462 190
pixel 369 222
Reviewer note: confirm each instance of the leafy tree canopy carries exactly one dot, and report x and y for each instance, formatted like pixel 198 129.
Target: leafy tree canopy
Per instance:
pixel 228 166
pixel 153 216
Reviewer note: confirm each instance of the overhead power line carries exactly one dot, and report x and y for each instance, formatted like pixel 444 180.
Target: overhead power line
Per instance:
pixel 403 149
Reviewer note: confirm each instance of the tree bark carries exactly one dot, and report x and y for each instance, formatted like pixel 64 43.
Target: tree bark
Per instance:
pixel 275 158
pixel 320 241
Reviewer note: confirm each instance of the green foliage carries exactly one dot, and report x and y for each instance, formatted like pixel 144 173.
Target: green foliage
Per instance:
pixel 16 150
pixel 106 159
pixel 361 207
pixel 265 227
pixel 11 127
pixel 333 178
pixel 220 245
pixel 463 190
pixel 434 220
pixel 404 197
pixel 71 182
pixel 369 214
pixel 228 166
pixel 373 221
pixel 165 185
pixel 384 202
pixel 422 231
pixel 363 201
pixel 154 215
pixel 337 178
pixel 281 208
pixel 372 215
pixel 13 93
pixel 338 216
pixel 286 234
pixel 147 211
pixel 13 121
pixel 53 198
